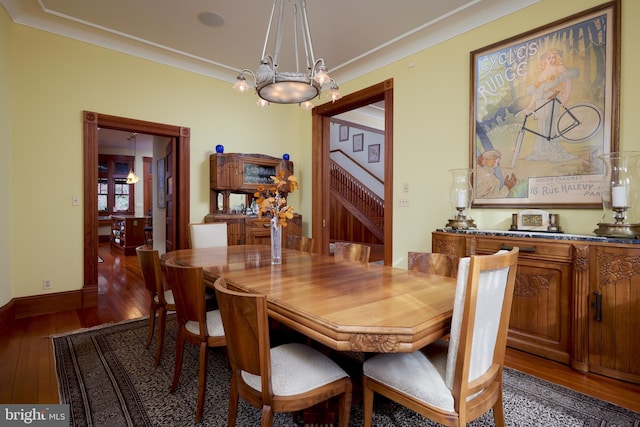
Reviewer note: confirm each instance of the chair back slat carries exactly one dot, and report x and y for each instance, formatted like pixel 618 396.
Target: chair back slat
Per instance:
pixel 208 235
pixel 188 289
pixel 301 243
pixel 432 263
pixel 245 321
pixel 151 270
pixel 348 251
pixel 480 321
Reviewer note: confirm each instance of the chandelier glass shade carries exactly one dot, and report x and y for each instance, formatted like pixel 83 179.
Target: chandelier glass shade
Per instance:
pixel 132 178
pixel 293 87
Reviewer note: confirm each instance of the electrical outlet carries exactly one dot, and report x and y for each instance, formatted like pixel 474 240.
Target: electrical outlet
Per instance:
pixel 47 284
pixel 75 201
pixel 403 202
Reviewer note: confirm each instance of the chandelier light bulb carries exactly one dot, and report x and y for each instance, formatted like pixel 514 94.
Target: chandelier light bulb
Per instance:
pixel 307 105
pixel 334 94
pixel 241 84
pixel 321 76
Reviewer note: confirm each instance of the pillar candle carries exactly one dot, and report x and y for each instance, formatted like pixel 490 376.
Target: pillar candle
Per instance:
pixel 619 196
pixel 462 199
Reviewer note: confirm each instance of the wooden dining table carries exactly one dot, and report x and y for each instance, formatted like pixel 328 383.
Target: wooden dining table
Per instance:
pixel 347 306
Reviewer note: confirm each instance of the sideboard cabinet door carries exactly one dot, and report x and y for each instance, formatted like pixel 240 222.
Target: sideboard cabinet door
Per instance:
pixel 614 346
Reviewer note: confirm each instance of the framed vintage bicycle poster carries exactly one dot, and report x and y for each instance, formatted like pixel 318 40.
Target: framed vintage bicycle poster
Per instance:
pixel 544 106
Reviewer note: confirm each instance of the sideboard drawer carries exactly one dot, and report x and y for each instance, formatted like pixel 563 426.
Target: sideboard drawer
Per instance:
pixel 554 251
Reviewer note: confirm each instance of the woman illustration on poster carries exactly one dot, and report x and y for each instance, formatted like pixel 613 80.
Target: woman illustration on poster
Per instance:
pixel 555 81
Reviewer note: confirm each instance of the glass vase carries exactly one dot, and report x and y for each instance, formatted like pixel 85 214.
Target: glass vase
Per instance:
pixel 276 241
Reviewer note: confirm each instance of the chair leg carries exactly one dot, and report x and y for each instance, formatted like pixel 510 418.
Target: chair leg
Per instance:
pixel 367 401
pixel 162 324
pixel 267 416
pixel 233 401
pixel 498 411
pixel 178 367
pixel 202 381
pixel 344 406
pixel 152 323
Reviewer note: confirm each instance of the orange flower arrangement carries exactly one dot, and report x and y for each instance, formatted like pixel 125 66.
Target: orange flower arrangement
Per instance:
pixel 273 200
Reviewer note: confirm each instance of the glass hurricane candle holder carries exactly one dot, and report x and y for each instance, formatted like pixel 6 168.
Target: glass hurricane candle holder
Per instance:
pixel 620 193
pixel 460 196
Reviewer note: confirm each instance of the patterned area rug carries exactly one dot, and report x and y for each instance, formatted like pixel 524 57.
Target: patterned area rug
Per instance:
pixel 107 377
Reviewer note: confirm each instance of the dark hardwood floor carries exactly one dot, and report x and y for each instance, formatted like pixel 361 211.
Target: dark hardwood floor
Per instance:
pixel 27 364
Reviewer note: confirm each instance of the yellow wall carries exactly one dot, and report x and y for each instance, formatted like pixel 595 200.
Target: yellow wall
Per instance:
pixel 431 122
pixel 55 78
pixel 5 159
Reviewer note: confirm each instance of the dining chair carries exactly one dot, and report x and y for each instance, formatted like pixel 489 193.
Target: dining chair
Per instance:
pixel 162 299
pixel 196 325
pixel 348 251
pixel 207 235
pixel 286 378
pixel 456 381
pixel 301 243
pixel 433 263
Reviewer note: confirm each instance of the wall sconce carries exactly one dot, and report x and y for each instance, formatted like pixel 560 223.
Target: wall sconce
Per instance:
pixel 460 197
pixel 620 193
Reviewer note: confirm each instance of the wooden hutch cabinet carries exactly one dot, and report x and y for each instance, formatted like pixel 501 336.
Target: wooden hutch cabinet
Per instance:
pixel 576 297
pixel 235 173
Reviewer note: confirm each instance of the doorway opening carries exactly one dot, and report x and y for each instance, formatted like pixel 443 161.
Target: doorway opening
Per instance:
pixel 177 184
pixel 321 120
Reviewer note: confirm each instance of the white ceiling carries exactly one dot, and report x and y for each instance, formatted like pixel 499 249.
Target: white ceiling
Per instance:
pixel 111 138
pixel 352 36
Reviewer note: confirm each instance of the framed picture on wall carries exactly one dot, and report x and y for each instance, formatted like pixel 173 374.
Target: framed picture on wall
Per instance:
pixel 374 153
pixel 358 142
pixel 343 133
pixel 544 107
pixel 160 183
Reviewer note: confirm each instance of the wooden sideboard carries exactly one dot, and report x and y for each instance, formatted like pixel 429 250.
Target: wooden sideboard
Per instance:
pixel 236 173
pixel 576 300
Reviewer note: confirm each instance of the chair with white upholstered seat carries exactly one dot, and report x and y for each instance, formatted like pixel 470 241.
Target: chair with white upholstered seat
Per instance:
pixel 208 235
pixel 454 382
pixel 161 298
pixel 195 324
pixel 286 378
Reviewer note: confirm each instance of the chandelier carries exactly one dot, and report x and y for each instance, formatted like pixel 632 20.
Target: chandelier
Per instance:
pixel 272 85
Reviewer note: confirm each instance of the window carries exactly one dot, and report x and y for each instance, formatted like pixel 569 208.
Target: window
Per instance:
pixel 121 194
pixel 114 194
pixel 103 194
